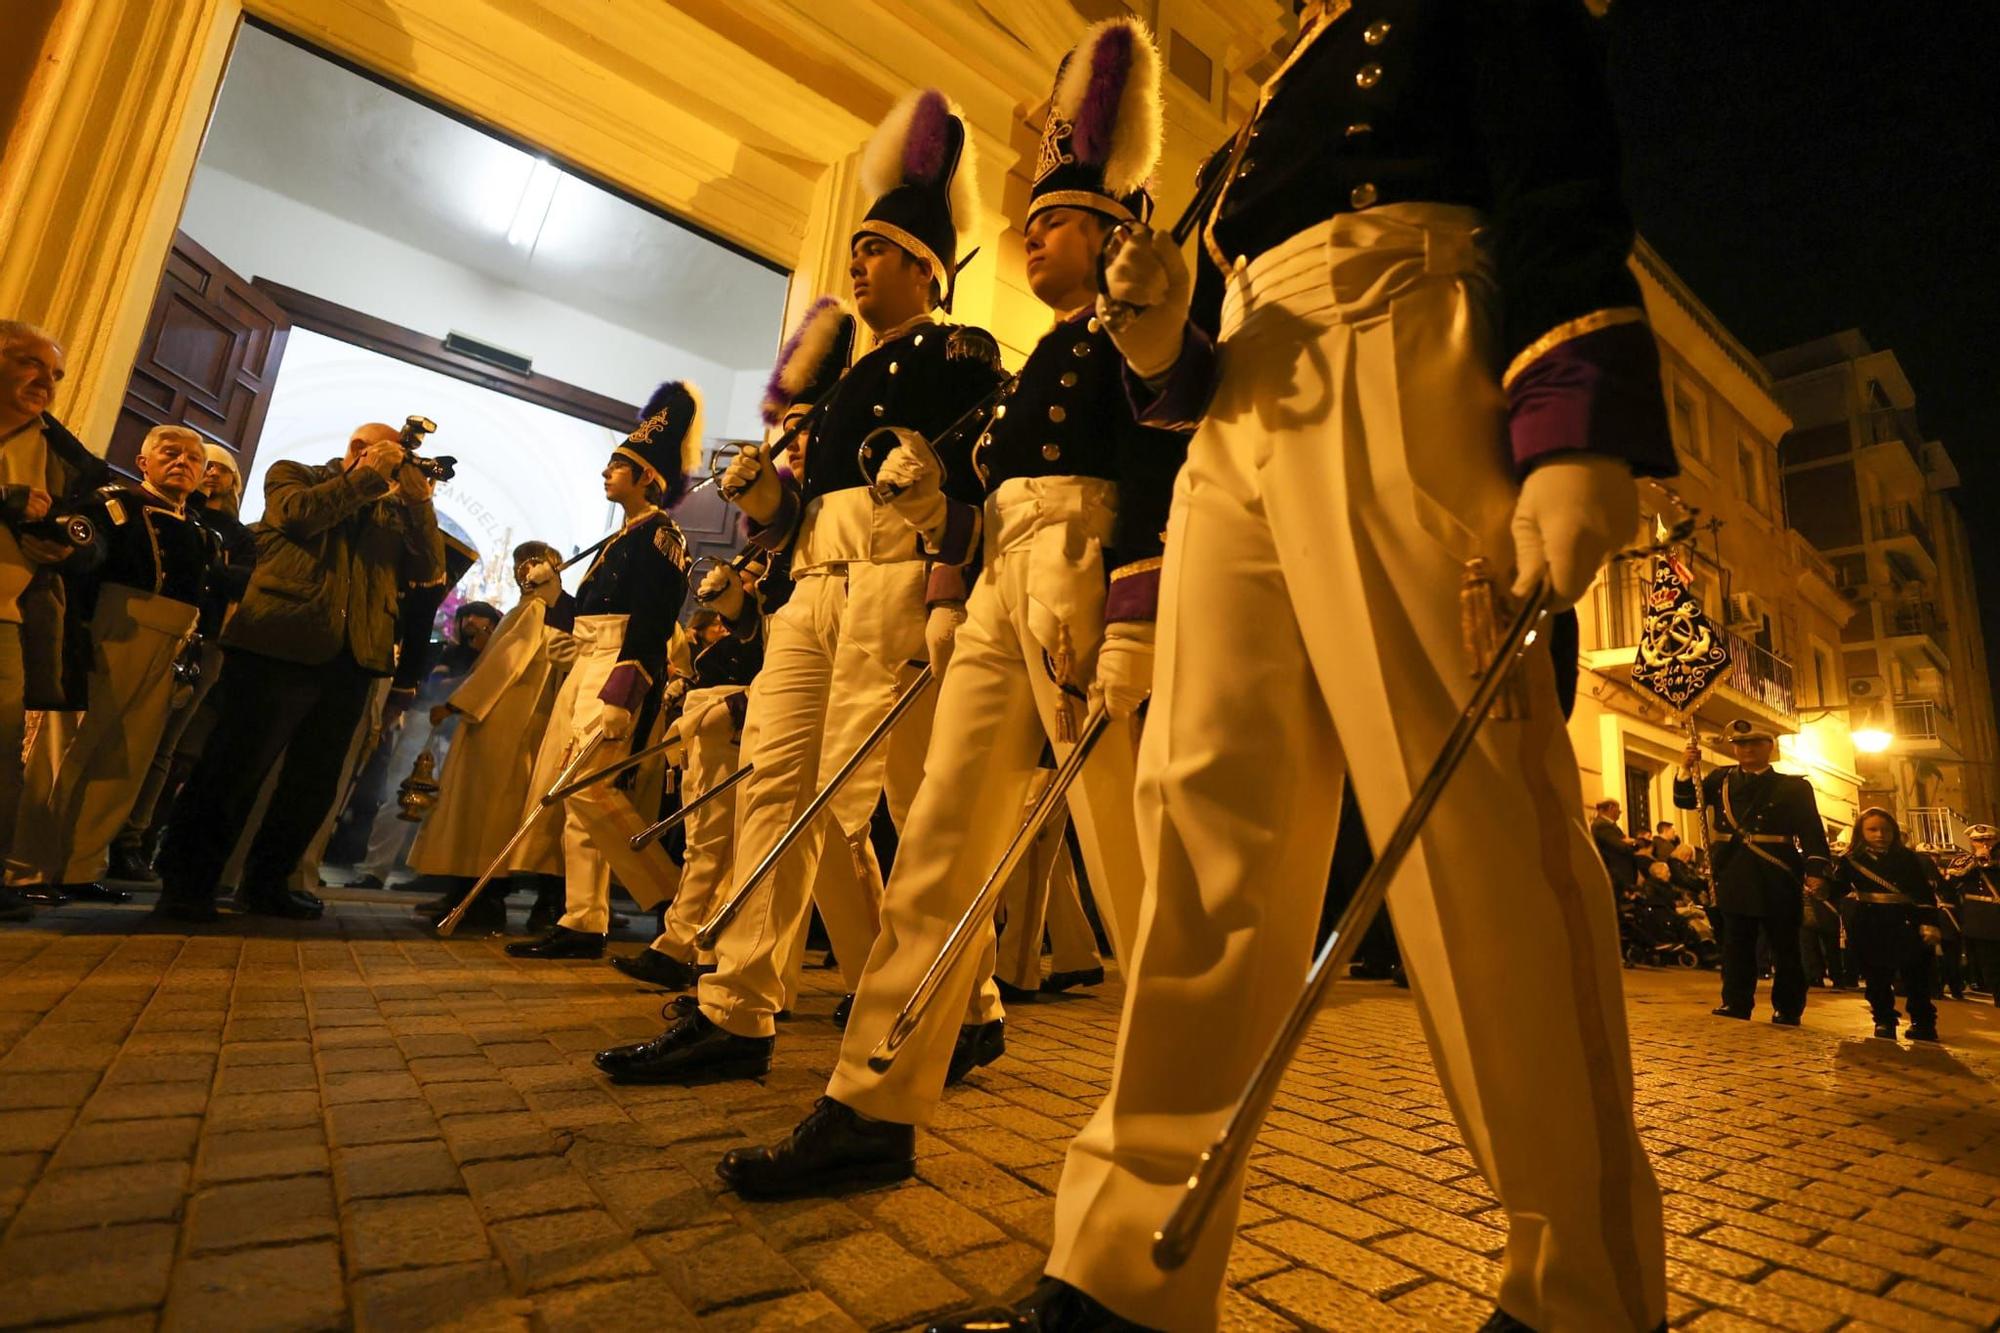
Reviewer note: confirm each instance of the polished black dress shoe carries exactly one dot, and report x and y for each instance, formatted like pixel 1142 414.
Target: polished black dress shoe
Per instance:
pixel 657 969
pixel 1502 1322
pixel 1052 1307
pixel 13 907
pixel 979 1044
pixel 1724 1011
pixel 187 908
pixel 1013 994
pixel 1924 1033
pixel 560 942
pixel 129 863
pixel 1886 1031
pixel 843 1011
pixel 43 895
pixel 1785 1020
pixel 365 882
pixel 693 1050
pixel 282 903
pixel 544 915
pixel 94 892
pixel 833 1147
pixel 1058 982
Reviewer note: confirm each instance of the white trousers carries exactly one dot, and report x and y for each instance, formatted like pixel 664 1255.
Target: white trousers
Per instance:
pixel 1043 897
pixel 821 690
pixel 713 753
pixel 1352 459
pixel 86 769
pixel 996 713
pixel 575 717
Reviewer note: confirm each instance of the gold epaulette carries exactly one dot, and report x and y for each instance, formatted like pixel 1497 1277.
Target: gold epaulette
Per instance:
pixel 966 343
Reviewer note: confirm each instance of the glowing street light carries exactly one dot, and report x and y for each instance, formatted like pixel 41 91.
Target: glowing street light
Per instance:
pixel 1872 740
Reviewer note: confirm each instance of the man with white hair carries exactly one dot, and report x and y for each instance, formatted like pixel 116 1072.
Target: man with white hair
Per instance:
pixel 140 607
pixel 43 468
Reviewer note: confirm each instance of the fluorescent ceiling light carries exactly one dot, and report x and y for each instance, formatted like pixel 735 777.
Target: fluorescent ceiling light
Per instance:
pixel 533 210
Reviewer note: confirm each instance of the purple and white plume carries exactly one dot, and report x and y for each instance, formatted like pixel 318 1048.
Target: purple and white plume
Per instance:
pixel 912 144
pixel 1110 94
pixel 798 363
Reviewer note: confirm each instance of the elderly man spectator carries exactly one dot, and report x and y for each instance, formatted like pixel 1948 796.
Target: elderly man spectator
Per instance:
pixel 1620 853
pixel 43 470
pixel 137 613
pixel 316 629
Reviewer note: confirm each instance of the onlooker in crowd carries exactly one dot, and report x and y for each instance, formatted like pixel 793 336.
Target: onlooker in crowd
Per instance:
pixel 1975 881
pixel 1666 840
pixel 1620 852
pixel 215 506
pixel 316 628
pixel 136 611
pixel 43 471
pixel 1895 921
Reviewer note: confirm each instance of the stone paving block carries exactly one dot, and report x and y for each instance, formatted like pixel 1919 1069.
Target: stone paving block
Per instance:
pixel 1443 1305
pixel 1755 1301
pixel 527 1187
pixel 464 1298
pixel 93 1272
pixel 1876 1309
pixel 263 1212
pixel 474 1098
pixel 293 1287
pixel 103 1196
pixel 387 1170
pixel 806 1312
pixel 500 1134
pixel 360 1059
pixel 876 1280
pixel 34 1131
pixel 563 1249
pixel 370 1086
pixel 1319 1301
pixel 1357 1265
pixel 1327 1214
pixel 266 1053
pixel 973 1181
pixel 260 1153
pixel 264 1110
pixel 994 1272
pixel 926 1221
pixel 382 1122
pixel 641 1305
pixel 663 1199
pixel 238 1080
pixel 452 1069
pixel 145 1101
pixel 713 1267
pixel 420 1231
pixel 27 1092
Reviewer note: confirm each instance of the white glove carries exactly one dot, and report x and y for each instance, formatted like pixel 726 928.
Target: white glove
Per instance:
pixel 914 479
pixel 941 633
pixel 1146 270
pixel 1125 667
pixel 615 722
pixel 675 691
pixel 751 484
pixel 538 578
pixel 1574 511
pixel 562 648
pixel 722 591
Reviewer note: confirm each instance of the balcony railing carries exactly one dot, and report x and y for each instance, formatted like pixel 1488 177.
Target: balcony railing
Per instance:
pixel 1917 720
pixel 1761 674
pixel 1938 825
pixel 1754 671
pixel 1810 559
pixel 1899 520
pixel 1916 618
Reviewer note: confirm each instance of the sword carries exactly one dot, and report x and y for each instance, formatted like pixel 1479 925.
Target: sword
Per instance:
pixel 652 831
pixel 453 917
pixel 706 936
pixel 632 760
pixel 1224 1158
pixel 987 900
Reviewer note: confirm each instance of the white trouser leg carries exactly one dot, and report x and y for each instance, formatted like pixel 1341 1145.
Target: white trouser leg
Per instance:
pixel 1072 943
pixel 576 719
pixel 712 755
pixel 1350 462
pixel 1023 908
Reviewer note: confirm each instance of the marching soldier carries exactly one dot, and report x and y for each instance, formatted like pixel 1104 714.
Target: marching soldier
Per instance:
pixel 1075 501
pixel 1768 844
pixel 84 771
pixel 1431 350
pixel 625 613
pixel 503 705
pixel 836 656
pixel 1975 882
pixel 1895 891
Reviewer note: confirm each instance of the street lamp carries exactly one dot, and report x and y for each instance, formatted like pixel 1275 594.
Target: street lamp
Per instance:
pixel 1872 740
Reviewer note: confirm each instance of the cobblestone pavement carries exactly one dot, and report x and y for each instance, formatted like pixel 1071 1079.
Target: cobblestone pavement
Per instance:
pixel 348 1124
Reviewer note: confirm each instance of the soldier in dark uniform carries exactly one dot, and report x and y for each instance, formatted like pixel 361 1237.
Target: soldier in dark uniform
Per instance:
pixel 842 647
pixel 1895 891
pixel 1768 844
pixel 1974 884
pixel 626 609
pixel 141 607
pixel 1076 494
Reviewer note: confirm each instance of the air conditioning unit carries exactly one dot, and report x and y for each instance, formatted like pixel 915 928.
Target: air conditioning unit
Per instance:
pixel 1869 688
pixel 1742 610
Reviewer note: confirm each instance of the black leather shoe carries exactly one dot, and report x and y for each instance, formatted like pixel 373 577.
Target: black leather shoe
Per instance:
pixel 129 863
pixel 560 942
pixel 486 918
pixel 1785 1020
pixel 545 914
pixel 1886 1031
pixel 94 892
pixel 833 1147
pixel 1058 982
pixel 282 903
pixel 1013 994
pixel 13 907
pixel 656 969
pixel 843 1011
pixel 1928 1033
pixel 177 907
pixel 1724 1011
pixel 672 1012
pixel 1502 1322
pixel 1052 1307
pixel 43 895
pixel 693 1050
pixel 980 1044
pixel 365 882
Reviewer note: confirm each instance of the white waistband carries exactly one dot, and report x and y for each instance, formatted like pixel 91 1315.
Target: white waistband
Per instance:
pixel 1023 506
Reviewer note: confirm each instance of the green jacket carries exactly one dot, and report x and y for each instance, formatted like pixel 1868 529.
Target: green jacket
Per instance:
pixel 334 550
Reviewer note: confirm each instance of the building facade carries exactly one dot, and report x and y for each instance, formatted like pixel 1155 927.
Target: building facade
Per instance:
pixel 1881 503
pixel 1764 586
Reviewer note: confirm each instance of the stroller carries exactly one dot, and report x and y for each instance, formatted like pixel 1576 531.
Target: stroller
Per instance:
pixel 1651 931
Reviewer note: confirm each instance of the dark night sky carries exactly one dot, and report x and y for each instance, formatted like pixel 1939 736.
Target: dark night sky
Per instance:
pixel 1814 165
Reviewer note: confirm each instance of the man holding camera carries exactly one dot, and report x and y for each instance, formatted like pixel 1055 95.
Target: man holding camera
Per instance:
pixel 43 470
pixel 316 629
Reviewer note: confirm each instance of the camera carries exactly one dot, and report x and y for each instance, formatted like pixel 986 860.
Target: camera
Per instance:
pixel 441 468
pixel 69 529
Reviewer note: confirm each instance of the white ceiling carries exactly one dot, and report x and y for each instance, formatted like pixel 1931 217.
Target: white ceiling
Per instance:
pixel 306 128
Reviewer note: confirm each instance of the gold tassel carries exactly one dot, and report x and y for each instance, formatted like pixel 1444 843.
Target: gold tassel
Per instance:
pixel 1481 608
pixel 1065 662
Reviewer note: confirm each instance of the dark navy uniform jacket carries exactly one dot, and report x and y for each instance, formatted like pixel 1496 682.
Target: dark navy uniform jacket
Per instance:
pixel 640 574
pixel 1975 888
pixel 148 546
pixel 1766 838
pixel 1894 892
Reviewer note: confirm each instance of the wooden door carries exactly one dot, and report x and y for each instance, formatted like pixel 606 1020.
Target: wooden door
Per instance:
pixel 208 360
